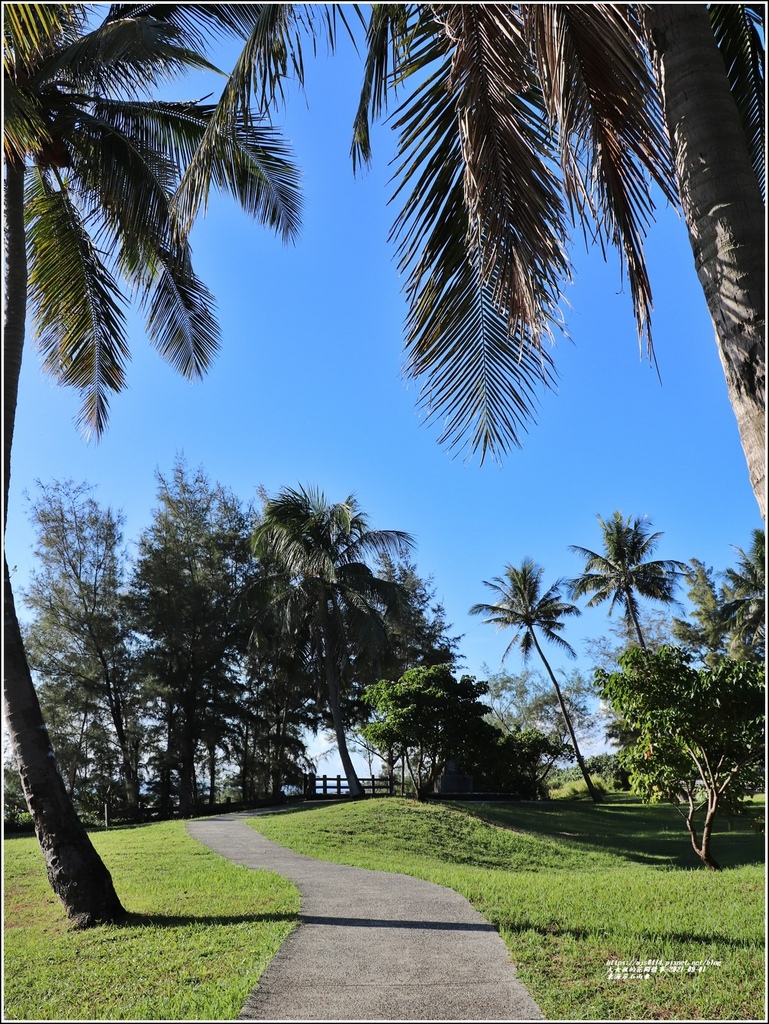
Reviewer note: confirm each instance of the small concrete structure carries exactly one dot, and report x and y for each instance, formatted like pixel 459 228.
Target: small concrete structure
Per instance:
pixel 452 780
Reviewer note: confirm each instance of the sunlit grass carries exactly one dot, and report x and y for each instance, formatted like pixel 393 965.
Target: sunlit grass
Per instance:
pixel 200 932
pixel 574 886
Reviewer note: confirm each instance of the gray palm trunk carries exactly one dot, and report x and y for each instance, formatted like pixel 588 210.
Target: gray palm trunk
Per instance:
pixel 723 208
pixel 334 703
pixel 595 796
pixel 634 619
pixel 333 691
pixel 75 870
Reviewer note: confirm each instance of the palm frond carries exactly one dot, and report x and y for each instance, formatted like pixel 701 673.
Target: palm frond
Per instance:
pixel 252 163
pixel 385 41
pixel 196 24
pixel 80 325
pixel 31 31
pixel 25 127
pixel 128 56
pixel 181 323
pixel 739 32
pixel 474 346
pixel 600 94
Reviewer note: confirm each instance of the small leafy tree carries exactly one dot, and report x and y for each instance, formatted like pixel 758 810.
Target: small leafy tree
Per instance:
pixel 700 733
pixel 431 717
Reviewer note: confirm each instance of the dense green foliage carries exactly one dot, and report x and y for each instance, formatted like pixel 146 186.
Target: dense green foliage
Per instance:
pixel 700 733
pixel 430 718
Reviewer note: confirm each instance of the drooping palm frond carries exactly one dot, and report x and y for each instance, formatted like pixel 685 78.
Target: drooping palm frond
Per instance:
pixel 257 167
pixel 80 324
pixel 124 171
pixel 477 310
pixel 601 97
pixel 181 320
pixel 739 32
pixel 519 120
pixel 111 159
pixel 385 43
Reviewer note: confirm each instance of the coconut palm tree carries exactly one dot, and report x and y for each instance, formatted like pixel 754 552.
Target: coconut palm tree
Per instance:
pixel 709 67
pixel 744 613
pixel 516 121
pixel 523 607
pixel 625 571
pixel 95 184
pixel 320 551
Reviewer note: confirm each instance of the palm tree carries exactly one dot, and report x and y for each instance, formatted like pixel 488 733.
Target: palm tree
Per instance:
pixel 320 551
pixel 625 570
pixel 709 66
pixel 523 607
pixel 96 184
pixel 517 120
pixel 744 613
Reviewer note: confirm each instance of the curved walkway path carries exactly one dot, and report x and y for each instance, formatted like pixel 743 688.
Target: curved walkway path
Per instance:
pixel 372 945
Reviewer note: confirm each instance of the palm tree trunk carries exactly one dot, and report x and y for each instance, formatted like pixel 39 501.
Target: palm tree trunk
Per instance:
pixel 75 871
pixel 723 208
pixel 594 794
pixel 630 605
pixel 15 310
pixel 335 706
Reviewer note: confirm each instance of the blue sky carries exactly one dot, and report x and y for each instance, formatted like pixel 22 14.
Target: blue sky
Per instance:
pixel 307 389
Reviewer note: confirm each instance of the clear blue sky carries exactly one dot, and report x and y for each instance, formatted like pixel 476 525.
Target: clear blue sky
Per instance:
pixel 307 389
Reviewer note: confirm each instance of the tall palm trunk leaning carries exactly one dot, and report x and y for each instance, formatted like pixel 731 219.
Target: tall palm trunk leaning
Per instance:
pixel 75 871
pixel 103 182
pixel 522 607
pixel 723 208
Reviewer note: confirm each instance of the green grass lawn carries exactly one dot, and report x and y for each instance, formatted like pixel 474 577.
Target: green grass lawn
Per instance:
pixel 573 888
pixel 199 933
pixel 577 891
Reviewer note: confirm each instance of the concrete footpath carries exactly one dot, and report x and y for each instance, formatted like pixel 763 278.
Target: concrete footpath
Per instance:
pixel 372 945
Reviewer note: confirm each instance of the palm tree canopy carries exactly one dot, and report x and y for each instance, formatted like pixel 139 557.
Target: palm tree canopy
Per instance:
pixel 522 606
pixel 625 568
pixel 106 183
pixel 321 550
pixel 745 590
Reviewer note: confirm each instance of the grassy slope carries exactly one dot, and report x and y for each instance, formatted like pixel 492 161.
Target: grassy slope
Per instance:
pixel 570 887
pixel 200 931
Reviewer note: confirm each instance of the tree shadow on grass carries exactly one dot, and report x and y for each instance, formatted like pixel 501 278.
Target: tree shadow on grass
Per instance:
pixel 556 930
pixel 183 921
pixel 654 835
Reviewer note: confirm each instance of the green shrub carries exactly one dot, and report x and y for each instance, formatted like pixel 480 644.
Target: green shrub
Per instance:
pixel 576 789
pixel 15 820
